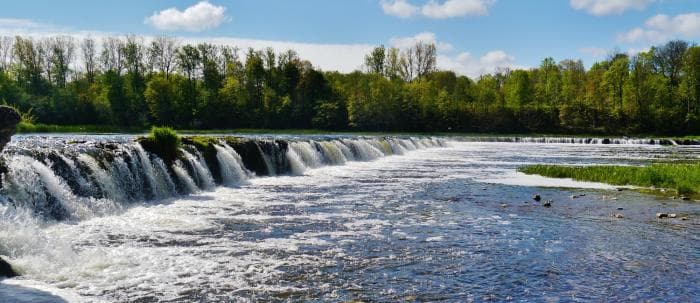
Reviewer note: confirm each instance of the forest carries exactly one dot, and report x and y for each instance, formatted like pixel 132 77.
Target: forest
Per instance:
pixel 135 82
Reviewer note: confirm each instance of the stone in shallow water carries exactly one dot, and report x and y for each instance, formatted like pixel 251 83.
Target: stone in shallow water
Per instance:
pixel 661 215
pixel 618 216
pixel 9 118
pixel 6 270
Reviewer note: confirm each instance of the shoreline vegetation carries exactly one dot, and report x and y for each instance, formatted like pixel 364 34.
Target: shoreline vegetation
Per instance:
pixel 26 129
pixel 682 180
pixel 130 83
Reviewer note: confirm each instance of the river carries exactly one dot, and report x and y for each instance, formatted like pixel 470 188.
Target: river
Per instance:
pixel 365 219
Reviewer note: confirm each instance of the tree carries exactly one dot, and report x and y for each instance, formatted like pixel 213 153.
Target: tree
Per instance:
pixel 62 51
pixel 160 96
pixel 668 60
pixel 89 58
pixel 374 61
pixel 112 55
pixel 5 52
pixel 162 53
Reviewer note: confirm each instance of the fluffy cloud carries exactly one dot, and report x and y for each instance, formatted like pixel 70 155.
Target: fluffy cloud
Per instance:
pixel 466 64
pixel 609 7
pixel 196 18
pixel 462 63
pixel 595 52
pixel 662 27
pixel 425 37
pixel 437 10
pixel 456 8
pixel 399 8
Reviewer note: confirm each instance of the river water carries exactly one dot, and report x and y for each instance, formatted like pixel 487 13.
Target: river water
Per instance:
pixel 450 222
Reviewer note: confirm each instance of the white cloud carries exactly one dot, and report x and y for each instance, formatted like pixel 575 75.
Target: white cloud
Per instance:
pixel 196 18
pixel 662 27
pixel 595 52
pixel 329 57
pixel 609 7
pixel 437 10
pixel 465 64
pixel 425 37
pixel 456 8
pixel 399 8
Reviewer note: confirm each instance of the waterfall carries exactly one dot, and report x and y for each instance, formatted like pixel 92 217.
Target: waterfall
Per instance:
pixel 202 174
pixel 184 177
pixel 65 179
pixel 232 170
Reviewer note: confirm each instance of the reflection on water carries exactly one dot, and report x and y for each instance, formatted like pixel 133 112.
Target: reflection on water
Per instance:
pixel 431 225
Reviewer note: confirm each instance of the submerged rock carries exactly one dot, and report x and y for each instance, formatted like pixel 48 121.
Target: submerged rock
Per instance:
pixel 618 216
pixel 6 270
pixel 547 203
pixel 537 197
pixel 672 216
pixel 661 215
pixel 9 118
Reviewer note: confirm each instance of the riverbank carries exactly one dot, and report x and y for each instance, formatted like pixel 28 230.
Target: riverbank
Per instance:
pixel 26 128
pixel 670 179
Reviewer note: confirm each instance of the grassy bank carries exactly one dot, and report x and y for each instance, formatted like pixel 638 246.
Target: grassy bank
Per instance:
pixel 684 179
pixel 27 128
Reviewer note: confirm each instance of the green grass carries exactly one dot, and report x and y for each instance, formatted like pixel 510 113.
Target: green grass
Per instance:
pixel 29 128
pixel 162 141
pixel 684 179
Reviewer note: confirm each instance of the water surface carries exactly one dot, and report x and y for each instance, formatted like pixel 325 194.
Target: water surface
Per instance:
pixel 449 224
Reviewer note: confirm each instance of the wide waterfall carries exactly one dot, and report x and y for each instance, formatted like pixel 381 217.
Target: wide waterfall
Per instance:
pixel 62 179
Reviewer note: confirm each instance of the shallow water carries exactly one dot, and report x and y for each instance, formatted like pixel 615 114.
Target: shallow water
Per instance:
pixel 448 224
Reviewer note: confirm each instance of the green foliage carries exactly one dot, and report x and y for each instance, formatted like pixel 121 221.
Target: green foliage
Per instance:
pixel 162 141
pixel 207 86
pixel 683 178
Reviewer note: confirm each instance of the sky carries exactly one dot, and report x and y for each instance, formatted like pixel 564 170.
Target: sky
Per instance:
pixel 473 37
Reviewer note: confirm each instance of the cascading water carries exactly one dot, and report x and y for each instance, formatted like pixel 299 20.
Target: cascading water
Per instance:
pixel 75 179
pixel 232 171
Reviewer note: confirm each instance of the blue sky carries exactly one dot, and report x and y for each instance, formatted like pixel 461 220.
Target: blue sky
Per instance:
pixel 473 36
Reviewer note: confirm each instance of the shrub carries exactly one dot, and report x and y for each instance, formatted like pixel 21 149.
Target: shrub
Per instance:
pixel 162 141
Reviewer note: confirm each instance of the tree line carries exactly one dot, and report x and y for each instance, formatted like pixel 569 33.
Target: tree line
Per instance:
pixel 136 82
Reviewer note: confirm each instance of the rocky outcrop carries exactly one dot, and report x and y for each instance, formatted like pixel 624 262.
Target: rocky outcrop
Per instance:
pixel 6 270
pixel 9 118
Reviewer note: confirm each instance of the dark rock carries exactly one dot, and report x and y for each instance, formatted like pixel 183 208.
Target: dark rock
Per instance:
pixel 504 205
pixel 547 203
pixel 6 270
pixel 661 215
pixel 606 141
pixel 685 198
pixel 685 218
pixel 618 216
pixel 620 208
pixel 9 118
pixel 537 197
pixel 3 169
